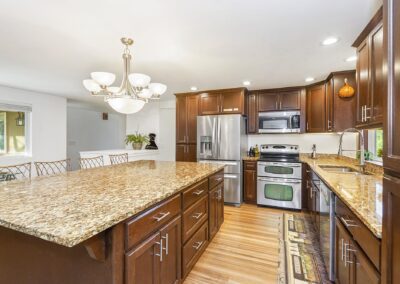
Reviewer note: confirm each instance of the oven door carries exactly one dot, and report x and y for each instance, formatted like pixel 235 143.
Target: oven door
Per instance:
pixel 279 169
pixel 284 193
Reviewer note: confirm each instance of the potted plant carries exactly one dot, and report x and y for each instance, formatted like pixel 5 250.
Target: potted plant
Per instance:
pixel 136 140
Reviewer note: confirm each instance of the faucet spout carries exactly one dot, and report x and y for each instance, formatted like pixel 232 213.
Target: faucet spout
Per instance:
pixel 361 141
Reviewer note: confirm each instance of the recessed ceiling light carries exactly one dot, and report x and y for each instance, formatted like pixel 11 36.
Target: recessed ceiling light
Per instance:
pixel 193 88
pixel 330 40
pixel 351 58
pixel 309 79
pixel 246 83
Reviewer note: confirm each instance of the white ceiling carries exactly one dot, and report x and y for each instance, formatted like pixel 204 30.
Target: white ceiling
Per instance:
pixel 51 45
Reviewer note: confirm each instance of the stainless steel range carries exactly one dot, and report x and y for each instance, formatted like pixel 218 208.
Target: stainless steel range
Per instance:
pixel 279 176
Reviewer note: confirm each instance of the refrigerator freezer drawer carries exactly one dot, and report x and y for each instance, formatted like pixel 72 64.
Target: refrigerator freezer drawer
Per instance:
pixel 232 188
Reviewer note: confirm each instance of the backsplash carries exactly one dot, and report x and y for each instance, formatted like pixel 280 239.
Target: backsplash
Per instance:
pixel 326 142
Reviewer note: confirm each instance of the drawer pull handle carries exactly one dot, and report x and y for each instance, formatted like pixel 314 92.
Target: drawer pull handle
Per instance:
pixel 163 215
pixel 197 215
pixel 218 179
pixel 161 250
pixel 166 243
pixel 199 192
pixel 197 245
pixel 347 222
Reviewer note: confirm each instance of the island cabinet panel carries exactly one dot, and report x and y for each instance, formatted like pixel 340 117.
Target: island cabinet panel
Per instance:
pixel 250 181
pixel 216 179
pixel 194 217
pixel 216 209
pixel 145 223
pixel 193 249
pixel 316 108
pixel 195 193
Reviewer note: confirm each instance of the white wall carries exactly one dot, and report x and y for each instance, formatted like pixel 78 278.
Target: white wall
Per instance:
pixel 48 125
pixel 87 131
pixel 326 142
pixel 156 117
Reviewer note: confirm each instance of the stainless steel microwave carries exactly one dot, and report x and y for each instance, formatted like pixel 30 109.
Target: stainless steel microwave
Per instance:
pixel 279 122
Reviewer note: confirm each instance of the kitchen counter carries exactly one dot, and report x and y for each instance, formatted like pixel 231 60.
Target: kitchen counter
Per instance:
pixel 133 155
pixel 361 193
pixel 69 208
pixel 255 159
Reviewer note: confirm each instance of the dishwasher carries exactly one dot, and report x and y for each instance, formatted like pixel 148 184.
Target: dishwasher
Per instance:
pixel 327 229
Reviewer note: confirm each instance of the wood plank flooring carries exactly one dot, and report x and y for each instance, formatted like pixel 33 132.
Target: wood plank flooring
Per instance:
pixel 245 250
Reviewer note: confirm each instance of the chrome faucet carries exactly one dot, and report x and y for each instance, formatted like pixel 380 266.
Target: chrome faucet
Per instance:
pixel 362 146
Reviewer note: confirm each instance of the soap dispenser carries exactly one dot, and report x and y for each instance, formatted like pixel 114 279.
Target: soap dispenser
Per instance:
pixel 314 152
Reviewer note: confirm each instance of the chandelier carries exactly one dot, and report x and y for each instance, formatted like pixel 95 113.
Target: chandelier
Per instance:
pixel 134 91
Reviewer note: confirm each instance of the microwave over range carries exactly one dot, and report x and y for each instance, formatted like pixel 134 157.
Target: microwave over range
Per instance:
pixel 279 122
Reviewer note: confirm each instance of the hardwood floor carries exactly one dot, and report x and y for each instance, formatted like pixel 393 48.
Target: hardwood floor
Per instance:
pixel 245 250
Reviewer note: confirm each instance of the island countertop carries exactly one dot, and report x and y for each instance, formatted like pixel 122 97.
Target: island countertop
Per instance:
pixel 70 208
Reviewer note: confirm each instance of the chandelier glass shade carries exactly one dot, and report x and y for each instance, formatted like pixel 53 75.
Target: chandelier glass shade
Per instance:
pixel 134 91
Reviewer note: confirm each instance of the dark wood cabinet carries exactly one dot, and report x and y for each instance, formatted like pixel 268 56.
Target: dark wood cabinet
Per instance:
pixel 370 74
pixel 342 267
pixel 252 113
pixel 340 111
pixel 279 99
pixel 226 101
pixel 316 108
pixel 186 127
pixel 216 209
pixel 362 270
pixel 250 181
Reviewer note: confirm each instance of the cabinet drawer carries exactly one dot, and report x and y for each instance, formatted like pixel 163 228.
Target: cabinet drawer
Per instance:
pixel 195 193
pixel 361 234
pixel 194 217
pixel 216 179
pixel 142 225
pixel 250 165
pixel 194 248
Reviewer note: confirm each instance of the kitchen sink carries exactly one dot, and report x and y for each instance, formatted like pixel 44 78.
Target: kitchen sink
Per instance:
pixel 341 170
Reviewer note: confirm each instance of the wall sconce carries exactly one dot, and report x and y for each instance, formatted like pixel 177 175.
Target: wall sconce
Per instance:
pixel 20 120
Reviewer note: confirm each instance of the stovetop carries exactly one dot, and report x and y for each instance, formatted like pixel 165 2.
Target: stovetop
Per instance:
pixel 279 153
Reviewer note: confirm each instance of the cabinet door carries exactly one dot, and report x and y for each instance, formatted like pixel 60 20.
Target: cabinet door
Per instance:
pixel 289 100
pixel 209 103
pixel 391 157
pixel 220 205
pixel 191 153
pixel 268 101
pixel 329 105
pixel 142 264
pixel 180 153
pixel 252 114
pixel 391 231
pixel 232 102
pixel 375 109
pixel 171 262
pixel 181 119
pixel 250 186
pixel 362 270
pixel 362 81
pixel 316 106
pixel 213 212
pixel 192 111
pixel 342 267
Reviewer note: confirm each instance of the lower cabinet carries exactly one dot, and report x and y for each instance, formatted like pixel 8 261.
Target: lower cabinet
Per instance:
pixel 250 181
pixel 158 258
pixel 216 211
pixel 351 264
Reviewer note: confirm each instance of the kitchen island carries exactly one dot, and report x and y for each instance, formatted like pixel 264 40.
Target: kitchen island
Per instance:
pixel 139 222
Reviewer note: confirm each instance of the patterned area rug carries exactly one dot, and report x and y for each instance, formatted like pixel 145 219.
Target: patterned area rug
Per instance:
pixel 300 257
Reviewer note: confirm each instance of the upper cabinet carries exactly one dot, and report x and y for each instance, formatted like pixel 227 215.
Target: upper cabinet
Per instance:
pixel 316 108
pixel 186 118
pixel 228 101
pixel 252 113
pixel 339 111
pixel 271 100
pixel 370 79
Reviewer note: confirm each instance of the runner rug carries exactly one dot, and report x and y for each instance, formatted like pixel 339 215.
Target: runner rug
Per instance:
pixel 300 258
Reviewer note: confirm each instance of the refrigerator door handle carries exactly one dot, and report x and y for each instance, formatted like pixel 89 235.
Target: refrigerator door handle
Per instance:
pixel 219 136
pixel 214 140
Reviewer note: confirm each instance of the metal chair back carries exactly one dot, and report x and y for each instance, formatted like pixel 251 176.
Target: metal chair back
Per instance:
pixel 52 168
pixel 90 163
pixel 118 159
pixel 20 171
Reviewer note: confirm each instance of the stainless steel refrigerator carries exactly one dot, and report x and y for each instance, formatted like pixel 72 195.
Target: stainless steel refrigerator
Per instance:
pixel 222 139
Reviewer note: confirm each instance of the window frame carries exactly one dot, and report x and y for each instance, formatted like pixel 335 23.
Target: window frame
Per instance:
pixel 372 145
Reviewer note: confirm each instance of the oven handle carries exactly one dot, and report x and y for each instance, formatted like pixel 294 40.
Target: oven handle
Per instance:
pixel 279 180
pixel 292 165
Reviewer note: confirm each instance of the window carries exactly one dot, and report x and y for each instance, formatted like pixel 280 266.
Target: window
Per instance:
pixel 14 129
pixel 375 144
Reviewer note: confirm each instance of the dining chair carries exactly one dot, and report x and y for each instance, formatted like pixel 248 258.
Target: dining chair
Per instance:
pixel 53 167
pixel 90 163
pixel 20 171
pixel 118 159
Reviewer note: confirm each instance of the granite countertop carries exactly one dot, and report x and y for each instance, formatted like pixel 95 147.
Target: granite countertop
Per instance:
pixel 247 158
pixel 361 193
pixel 70 208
